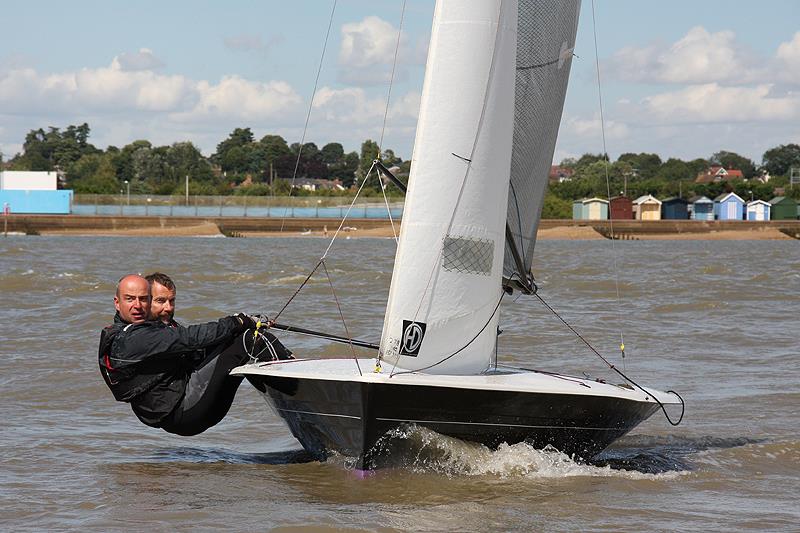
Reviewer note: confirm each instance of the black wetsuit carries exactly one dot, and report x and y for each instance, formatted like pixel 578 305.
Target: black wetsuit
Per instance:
pixel 177 378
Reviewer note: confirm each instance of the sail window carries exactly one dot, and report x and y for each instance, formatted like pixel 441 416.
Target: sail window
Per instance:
pixel 464 254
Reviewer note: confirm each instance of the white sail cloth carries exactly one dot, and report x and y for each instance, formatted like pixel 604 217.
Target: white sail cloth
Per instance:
pixel 446 283
pixel 496 78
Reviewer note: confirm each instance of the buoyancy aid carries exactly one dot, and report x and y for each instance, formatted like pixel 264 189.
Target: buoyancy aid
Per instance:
pixel 128 379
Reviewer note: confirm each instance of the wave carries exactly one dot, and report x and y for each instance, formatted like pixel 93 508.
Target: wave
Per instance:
pixel 200 455
pixel 642 457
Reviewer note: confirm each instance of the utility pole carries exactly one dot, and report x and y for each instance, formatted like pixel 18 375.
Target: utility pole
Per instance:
pixel 187 189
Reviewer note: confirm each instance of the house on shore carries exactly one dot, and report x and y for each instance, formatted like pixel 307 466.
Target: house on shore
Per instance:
pixel 729 206
pixel 701 208
pixel 560 174
pixel 783 208
pixel 621 208
pixel 758 210
pixel 647 207
pixel 590 209
pixel 675 208
pixel 717 174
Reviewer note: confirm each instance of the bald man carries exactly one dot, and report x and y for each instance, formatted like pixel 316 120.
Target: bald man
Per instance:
pixel 175 378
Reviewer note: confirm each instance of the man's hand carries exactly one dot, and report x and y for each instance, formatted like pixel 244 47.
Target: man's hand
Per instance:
pixel 247 321
pixel 252 321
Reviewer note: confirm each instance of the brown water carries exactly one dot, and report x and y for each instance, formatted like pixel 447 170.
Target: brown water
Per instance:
pixel 717 321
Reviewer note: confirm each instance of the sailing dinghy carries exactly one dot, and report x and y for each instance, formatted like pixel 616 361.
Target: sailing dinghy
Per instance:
pixel 495 82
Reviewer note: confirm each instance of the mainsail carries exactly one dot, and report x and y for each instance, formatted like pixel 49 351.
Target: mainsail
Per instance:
pixel 449 268
pixel 545 41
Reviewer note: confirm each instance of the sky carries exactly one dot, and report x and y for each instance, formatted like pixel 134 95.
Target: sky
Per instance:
pixel 681 79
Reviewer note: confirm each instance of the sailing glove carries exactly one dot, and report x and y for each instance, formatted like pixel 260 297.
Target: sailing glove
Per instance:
pixel 247 321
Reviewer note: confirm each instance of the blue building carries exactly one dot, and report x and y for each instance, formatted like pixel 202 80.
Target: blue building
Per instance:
pixel 729 206
pixel 675 208
pixel 701 208
pixel 29 192
pixel 37 202
pixel 590 209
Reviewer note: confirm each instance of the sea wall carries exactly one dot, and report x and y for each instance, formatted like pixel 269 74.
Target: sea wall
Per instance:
pixel 621 228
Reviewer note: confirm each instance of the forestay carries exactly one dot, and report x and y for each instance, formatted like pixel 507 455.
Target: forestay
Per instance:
pixel 545 42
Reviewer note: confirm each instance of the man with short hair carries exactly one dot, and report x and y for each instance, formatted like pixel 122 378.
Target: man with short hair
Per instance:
pixel 162 292
pixel 176 378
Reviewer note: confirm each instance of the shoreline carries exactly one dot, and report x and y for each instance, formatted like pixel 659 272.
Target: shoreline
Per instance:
pixel 114 226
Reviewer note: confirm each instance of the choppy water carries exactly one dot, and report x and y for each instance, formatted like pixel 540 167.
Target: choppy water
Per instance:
pixel 717 321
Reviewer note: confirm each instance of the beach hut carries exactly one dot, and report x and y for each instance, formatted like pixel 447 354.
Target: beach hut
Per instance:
pixel 590 209
pixel 701 208
pixel 647 207
pixel 675 208
pixel 577 210
pixel 758 210
pixel 621 208
pixel 783 208
pixel 729 206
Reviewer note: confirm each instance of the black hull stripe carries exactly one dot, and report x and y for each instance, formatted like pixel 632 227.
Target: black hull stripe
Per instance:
pixel 498 425
pixel 455 422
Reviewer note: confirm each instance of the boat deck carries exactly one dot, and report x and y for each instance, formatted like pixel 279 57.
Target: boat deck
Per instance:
pixel 503 379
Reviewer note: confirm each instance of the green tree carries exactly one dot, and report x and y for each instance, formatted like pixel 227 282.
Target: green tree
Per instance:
pixel 676 170
pixel 644 165
pixel 555 207
pixel 369 151
pixel 93 174
pixel 779 160
pixel 238 138
pixel 332 154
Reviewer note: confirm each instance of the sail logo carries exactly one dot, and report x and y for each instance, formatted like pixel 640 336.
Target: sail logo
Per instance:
pixel 413 333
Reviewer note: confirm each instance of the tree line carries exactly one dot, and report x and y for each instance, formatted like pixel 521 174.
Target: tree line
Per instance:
pixel 645 173
pixel 243 164
pixel 265 166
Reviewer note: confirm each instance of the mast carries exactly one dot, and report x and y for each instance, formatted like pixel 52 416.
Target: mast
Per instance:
pixel 446 283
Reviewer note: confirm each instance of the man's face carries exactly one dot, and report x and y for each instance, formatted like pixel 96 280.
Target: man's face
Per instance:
pixel 162 306
pixel 133 299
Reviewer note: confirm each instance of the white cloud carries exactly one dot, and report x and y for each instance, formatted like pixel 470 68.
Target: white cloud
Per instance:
pixel 235 97
pixel 116 90
pixel 144 59
pixel 367 43
pixel 698 57
pixel 591 128
pixel 714 103
pixel 353 106
pixel 367 52
pixel 788 55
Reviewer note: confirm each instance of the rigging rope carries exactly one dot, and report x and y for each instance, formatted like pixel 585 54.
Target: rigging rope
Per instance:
pixel 308 113
pixel 386 116
pixel 608 190
pixel 614 368
pixel 391 78
pixel 339 307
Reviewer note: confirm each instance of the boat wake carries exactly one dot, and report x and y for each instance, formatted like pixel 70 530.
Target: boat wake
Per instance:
pixel 639 457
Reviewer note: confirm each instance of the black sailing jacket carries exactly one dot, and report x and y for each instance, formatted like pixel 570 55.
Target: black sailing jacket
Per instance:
pixel 148 364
